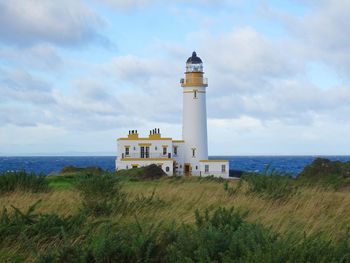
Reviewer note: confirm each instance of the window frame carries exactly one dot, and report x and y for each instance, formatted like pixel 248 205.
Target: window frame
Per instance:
pixel 223 168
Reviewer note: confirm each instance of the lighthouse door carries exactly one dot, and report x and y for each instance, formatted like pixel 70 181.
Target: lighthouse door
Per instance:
pixel 187 169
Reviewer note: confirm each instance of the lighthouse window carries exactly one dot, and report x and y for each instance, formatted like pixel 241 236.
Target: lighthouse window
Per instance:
pixel 175 150
pixel 195 94
pixel 127 151
pixel 164 150
pixel 193 153
pixel 156 148
pixel 206 168
pixel 196 167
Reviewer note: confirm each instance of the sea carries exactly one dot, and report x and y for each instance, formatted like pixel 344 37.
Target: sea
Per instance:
pixel 48 165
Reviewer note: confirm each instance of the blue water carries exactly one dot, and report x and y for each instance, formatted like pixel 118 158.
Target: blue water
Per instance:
pixel 48 165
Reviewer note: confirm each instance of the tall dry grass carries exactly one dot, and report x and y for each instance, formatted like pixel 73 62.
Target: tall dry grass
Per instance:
pixel 311 210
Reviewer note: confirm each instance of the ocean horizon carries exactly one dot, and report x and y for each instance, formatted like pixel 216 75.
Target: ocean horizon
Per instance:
pixel 288 164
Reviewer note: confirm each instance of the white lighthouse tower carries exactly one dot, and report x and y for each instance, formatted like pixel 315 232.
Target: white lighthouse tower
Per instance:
pixel 194 126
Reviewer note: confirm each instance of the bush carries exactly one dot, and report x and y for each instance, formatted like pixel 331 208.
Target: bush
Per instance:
pixel 270 184
pixel 22 181
pixel 321 171
pixel 33 227
pixel 223 235
pixel 150 172
pixel 102 194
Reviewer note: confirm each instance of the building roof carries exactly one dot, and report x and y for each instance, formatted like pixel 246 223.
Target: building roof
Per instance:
pixel 194 59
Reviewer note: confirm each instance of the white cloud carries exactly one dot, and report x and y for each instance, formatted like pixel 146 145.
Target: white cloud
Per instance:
pixel 40 56
pixel 21 86
pixel 61 22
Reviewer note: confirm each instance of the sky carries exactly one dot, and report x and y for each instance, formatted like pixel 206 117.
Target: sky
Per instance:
pixel 76 75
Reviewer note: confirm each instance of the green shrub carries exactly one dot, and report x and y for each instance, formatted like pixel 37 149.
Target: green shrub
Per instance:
pixel 33 227
pixel 223 235
pixel 102 194
pixel 22 181
pixel 270 184
pixel 151 172
pixel 326 173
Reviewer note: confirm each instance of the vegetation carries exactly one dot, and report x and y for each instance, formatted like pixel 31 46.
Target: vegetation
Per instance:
pixel 104 217
pixel 22 181
pixel 101 194
pixel 326 173
pixel 73 170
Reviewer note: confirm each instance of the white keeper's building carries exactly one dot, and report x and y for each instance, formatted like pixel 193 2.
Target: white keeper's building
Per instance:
pixel 188 156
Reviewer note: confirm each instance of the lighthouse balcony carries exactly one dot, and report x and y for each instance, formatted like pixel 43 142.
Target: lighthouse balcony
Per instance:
pixel 194 82
pixel 146 155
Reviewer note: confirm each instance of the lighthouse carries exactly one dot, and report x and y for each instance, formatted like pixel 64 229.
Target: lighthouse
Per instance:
pixel 188 156
pixel 194 121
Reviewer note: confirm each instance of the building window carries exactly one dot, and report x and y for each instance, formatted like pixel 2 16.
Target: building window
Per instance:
pixel 156 148
pixel 206 168
pixel 127 167
pixel 180 166
pixel 134 148
pixel 195 94
pixel 127 151
pixel 164 150
pixel 144 152
pixel 196 167
pixel 223 168
pixel 147 152
pixel 175 150
pixel 193 152
pixel 167 169
pixel 134 166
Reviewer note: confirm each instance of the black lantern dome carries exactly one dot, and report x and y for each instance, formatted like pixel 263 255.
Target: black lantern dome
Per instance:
pixel 194 63
pixel 194 59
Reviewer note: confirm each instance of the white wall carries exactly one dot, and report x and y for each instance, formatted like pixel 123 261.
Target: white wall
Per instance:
pixel 179 158
pixel 215 168
pixel 135 148
pixel 194 128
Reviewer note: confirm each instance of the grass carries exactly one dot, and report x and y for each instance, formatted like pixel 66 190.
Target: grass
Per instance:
pixel 22 181
pixel 164 205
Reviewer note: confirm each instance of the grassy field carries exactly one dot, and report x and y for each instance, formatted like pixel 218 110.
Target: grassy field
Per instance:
pixel 310 210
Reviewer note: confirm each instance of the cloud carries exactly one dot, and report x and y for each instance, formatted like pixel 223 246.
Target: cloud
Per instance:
pixel 321 34
pixel 22 87
pixel 326 33
pixel 126 4
pixel 40 56
pixel 60 22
